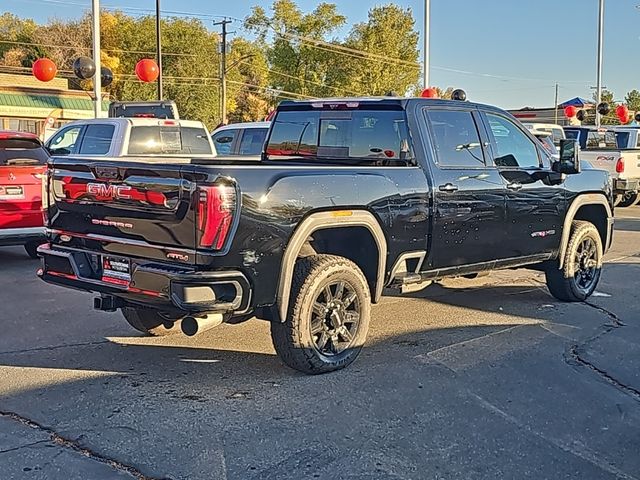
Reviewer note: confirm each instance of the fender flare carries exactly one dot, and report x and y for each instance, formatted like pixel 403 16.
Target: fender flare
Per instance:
pixel 320 221
pixel 581 201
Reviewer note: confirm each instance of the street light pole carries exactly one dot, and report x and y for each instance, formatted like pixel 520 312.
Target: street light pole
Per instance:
pixel 427 41
pixel 159 49
pixel 600 42
pixel 97 79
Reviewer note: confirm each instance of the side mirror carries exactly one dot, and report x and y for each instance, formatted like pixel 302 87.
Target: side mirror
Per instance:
pixel 569 162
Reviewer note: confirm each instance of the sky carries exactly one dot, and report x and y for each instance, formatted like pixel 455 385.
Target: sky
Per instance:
pixel 509 53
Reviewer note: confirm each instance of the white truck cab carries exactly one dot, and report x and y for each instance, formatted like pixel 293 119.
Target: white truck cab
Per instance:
pixel 132 137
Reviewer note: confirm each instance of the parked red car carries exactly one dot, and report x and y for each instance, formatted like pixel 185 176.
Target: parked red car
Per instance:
pixel 23 161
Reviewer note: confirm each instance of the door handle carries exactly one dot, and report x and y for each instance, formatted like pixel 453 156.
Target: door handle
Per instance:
pixel 514 186
pixel 448 187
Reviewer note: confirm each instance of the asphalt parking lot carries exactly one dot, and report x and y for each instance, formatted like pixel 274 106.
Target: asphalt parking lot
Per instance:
pixel 483 379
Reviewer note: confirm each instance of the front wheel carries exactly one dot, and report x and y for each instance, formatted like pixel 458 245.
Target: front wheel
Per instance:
pixel 150 322
pixel 580 274
pixel 328 316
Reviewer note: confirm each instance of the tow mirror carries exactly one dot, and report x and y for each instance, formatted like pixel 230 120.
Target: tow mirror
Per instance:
pixel 569 162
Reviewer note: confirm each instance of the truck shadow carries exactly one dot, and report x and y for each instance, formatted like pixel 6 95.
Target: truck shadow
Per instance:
pixel 108 395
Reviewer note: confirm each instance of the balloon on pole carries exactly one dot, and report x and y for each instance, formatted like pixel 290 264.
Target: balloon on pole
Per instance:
pixel 106 75
pixel 429 92
pixel 147 70
pixel 622 112
pixel 44 69
pixel 84 68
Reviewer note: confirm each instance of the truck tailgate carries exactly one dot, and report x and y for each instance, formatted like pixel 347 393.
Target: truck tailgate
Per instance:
pixel 134 209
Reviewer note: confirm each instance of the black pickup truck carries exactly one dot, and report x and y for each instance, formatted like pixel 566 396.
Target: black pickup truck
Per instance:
pixel 349 197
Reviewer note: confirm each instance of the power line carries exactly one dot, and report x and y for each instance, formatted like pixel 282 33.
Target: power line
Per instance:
pixel 113 50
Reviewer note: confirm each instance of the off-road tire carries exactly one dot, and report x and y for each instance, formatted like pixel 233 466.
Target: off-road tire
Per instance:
pixel 627 200
pixel 149 321
pixel 32 249
pixel 293 339
pixel 562 283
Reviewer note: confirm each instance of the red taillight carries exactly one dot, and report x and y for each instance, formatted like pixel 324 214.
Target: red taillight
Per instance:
pixel 216 206
pixel 620 165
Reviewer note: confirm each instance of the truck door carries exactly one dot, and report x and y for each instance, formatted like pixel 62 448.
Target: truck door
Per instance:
pixel 535 208
pixel 469 194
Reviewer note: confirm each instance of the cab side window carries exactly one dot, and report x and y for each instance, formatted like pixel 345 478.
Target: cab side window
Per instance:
pixel 64 142
pixel 456 139
pixel 97 139
pixel 224 141
pixel 514 148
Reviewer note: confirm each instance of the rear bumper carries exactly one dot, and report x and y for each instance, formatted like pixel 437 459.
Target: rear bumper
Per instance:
pixel 20 236
pixel 626 185
pixel 152 284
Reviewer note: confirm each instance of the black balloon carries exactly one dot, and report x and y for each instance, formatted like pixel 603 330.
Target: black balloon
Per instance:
pixel 84 68
pixel 604 108
pixel 581 115
pixel 459 94
pixel 106 76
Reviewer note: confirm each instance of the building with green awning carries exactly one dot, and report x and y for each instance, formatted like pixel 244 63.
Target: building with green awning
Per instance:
pixel 28 105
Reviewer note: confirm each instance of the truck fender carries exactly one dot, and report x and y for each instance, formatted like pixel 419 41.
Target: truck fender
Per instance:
pixel 319 221
pixel 581 201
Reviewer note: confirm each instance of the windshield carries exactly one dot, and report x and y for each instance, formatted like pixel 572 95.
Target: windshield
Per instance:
pixel 340 135
pixel 19 151
pixel 169 140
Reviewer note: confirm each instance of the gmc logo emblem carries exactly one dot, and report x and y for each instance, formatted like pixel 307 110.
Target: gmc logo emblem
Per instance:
pixel 109 191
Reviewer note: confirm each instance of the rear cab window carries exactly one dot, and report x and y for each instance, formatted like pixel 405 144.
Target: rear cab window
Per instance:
pixel 362 134
pixel 174 140
pixel 21 151
pixel 607 140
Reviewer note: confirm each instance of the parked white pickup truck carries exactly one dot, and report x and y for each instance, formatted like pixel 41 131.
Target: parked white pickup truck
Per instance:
pixel 617 150
pixel 132 137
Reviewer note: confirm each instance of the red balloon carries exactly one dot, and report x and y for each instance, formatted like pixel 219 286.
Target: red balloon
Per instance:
pixel 622 111
pixel 44 69
pixel 429 93
pixel 147 70
pixel 570 111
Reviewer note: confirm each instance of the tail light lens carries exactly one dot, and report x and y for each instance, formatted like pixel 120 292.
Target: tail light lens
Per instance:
pixel 216 207
pixel 620 165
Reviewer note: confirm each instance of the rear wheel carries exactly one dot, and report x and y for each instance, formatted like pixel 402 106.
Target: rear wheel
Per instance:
pixel 580 274
pixel 151 322
pixel 627 200
pixel 32 249
pixel 328 316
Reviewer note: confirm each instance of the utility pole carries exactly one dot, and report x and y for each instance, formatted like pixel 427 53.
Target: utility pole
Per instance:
pixel 159 49
pixel 427 41
pixel 555 105
pixel 600 42
pixel 223 68
pixel 97 78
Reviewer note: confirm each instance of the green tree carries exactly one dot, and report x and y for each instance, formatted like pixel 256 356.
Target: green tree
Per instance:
pixel 391 42
pixel 15 35
pixel 298 57
pixel 632 99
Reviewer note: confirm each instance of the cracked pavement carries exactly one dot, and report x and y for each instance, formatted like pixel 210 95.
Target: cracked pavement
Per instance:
pixel 474 379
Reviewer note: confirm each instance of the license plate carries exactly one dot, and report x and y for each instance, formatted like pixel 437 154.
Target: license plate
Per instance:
pixel 11 192
pixel 116 270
